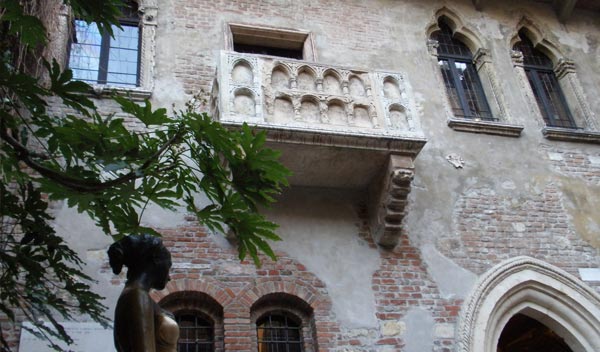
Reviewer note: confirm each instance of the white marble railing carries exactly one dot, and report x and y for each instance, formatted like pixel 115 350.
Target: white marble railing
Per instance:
pixel 280 92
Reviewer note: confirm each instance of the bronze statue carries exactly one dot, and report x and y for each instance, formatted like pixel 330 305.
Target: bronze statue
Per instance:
pixel 140 324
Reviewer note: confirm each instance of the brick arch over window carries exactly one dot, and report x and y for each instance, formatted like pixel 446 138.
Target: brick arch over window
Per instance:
pixel 313 300
pixel 207 317
pixel 536 289
pixel 297 313
pixel 211 287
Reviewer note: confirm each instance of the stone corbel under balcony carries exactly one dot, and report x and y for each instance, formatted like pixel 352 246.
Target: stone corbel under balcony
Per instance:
pixel 390 197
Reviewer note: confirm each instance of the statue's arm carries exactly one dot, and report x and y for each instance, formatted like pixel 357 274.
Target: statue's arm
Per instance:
pixel 141 329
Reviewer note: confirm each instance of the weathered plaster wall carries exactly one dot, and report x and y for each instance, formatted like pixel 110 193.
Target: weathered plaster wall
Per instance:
pixel 514 196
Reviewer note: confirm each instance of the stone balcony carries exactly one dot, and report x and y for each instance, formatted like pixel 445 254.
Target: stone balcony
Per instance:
pixel 335 126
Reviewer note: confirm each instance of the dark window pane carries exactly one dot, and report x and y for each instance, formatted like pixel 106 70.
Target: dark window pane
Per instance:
pixel 267 50
pixel 461 80
pixel 451 88
pixel 473 92
pixel 532 56
pixel 449 45
pixel 544 84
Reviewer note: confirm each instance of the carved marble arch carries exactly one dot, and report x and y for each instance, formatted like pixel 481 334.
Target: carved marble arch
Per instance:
pixel 356 86
pixel 280 76
pixel 461 31
pixel 306 78
pixel 391 88
pixel 242 72
pixel 311 109
pixel 528 286
pixel 332 81
pixel 244 102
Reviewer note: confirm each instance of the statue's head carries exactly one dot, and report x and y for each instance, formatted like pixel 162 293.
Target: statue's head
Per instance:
pixel 141 254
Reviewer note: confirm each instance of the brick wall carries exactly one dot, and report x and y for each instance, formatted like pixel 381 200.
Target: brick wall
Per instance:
pixel 491 228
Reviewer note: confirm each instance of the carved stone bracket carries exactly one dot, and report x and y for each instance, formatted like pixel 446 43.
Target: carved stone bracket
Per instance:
pixel 390 194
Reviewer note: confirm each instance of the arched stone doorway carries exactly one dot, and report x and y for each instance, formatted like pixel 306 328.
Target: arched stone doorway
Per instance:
pixel 527 287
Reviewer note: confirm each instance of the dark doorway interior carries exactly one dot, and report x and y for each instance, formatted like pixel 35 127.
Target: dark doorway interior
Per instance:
pixel 525 334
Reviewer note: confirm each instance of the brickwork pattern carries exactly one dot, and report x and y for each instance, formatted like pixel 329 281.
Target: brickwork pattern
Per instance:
pixel 212 269
pixel 402 283
pixel 577 164
pixel 492 228
pixel 195 67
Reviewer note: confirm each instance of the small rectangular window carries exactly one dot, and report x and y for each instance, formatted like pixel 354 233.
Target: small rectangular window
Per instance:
pixel 269 41
pixel 96 57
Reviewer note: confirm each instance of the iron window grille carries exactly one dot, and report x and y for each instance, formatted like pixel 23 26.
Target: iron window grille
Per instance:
pixel 546 89
pixel 196 334
pixel 96 57
pixel 279 332
pixel 461 80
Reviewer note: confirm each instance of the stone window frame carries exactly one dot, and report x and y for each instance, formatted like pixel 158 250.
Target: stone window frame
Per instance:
pixel 566 74
pixel 290 305
pixel 281 35
pixel 201 304
pixel 148 10
pixel 503 124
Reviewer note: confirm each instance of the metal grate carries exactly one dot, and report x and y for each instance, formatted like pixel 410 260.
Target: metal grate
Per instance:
pixel 195 334
pixel 448 46
pixel 279 333
pixel 545 86
pixel 460 77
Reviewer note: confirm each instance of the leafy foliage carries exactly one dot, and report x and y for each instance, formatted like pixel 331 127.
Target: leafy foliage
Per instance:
pixel 100 167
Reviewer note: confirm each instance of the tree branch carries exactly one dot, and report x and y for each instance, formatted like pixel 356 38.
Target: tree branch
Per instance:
pixel 77 184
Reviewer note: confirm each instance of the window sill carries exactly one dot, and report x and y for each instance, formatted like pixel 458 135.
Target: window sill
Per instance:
pixel 571 135
pixel 135 93
pixel 487 127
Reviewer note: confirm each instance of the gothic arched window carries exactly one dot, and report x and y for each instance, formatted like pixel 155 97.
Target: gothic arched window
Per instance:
pixel 547 91
pixel 462 82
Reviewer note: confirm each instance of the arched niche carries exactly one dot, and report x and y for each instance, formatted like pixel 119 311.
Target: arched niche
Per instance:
pixel 306 78
pixel 332 84
pixel 309 109
pixel 528 286
pixel 398 118
pixel 244 102
pixel 280 77
pixel 356 87
pixel 391 89
pixel 361 116
pixel 283 109
pixel 242 73
pixel 336 112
